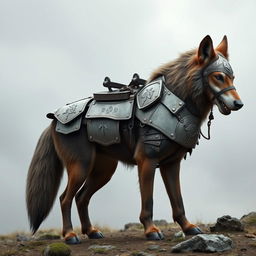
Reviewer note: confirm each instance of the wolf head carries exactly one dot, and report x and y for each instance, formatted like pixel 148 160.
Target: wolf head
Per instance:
pixel 218 75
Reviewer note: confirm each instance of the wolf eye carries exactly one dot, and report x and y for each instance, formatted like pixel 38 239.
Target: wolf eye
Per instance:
pixel 219 78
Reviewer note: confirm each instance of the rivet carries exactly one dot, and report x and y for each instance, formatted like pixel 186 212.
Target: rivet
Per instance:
pixel 173 109
pixel 90 137
pixel 169 93
pixel 180 103
pixel 117 138
pixel 145 119
pixel 172 134
pixel 150 121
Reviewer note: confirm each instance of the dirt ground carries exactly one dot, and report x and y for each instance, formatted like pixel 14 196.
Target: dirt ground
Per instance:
pixel 128 243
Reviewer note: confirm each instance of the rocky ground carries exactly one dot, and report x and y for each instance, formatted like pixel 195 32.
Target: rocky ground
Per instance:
pixel 127 242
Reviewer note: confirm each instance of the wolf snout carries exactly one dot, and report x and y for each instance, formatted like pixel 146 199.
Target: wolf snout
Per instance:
pixel 238 104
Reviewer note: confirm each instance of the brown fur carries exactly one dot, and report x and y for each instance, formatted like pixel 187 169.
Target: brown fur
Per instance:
pixel 183 77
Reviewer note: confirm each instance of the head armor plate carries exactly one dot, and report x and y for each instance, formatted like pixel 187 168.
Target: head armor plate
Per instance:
pixel 221 64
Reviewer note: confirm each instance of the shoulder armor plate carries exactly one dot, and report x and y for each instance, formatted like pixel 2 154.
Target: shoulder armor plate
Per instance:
pixel 171 117
pixel 70 111
pixel 149 94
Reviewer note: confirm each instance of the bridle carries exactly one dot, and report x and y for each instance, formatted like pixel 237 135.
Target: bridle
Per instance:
pixel 220 64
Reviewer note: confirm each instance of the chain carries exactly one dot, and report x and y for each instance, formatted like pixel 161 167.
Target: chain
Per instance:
pixel 211 117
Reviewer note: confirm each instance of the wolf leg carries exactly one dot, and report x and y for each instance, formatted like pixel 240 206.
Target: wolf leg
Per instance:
pixel 146 170
pixel 171 177
pixel 101 174
pixel 78 156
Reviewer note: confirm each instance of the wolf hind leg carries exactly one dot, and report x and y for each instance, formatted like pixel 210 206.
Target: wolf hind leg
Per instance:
pixel 76 178
pixel 78 155
pixel 101 174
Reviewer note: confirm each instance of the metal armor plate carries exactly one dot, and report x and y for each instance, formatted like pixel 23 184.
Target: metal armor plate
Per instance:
pixel 171 101
pixel 171 117
pixel 183 128
pixel 188 129
pixel 70 127
pixel 116 110
pixel 219 65
pixel 149 94
pixel 103 131
pixel 160 118
pixel 70 111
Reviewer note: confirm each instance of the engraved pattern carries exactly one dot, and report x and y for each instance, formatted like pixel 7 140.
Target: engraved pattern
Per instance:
pixel 69 111
pixel 147 95
pixel 103 127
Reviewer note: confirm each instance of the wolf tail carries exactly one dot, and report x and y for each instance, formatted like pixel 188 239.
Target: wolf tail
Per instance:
pixel 43 180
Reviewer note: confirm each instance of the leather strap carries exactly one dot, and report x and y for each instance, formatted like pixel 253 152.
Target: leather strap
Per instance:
pixel 217 94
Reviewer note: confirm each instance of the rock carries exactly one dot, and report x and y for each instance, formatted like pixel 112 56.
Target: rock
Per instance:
pixel 179 236
pixel 249 219
pixel 227 223
pixel 250 235
pixel 22 238
pixel 161 223
pixel 141 254
pixel 133 226
pixel 101 248
pixel 57 249
pixel 154 247
pixel 204 243
pixel 136 225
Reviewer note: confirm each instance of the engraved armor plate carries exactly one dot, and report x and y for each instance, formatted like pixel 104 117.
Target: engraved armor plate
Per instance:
pixel 219 65
pixel 116 110
pixel 103 131
pixel 149 94
pixel 71 111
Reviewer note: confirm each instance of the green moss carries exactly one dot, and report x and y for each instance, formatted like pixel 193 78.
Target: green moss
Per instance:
pixel 57 249
pixel 100 250
pixel 251 220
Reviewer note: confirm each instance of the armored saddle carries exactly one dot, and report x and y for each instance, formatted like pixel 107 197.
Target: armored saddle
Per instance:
pixel 152 104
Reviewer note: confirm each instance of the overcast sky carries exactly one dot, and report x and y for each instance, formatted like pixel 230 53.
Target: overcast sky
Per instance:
pixel 54 52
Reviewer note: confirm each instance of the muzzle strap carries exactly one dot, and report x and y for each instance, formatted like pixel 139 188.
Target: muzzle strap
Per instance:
pixel 217 94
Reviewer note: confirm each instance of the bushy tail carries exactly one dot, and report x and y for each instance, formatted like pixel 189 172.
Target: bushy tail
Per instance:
pixel 43 180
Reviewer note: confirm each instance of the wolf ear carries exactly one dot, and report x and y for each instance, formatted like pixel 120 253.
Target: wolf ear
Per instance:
pixel 223 47
pixel 205 51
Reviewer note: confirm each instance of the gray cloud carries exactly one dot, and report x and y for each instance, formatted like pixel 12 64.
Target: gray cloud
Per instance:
pixel 54 52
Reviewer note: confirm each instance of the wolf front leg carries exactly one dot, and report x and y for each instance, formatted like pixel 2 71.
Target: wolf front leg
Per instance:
pixel 146 169
pixel 171 176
